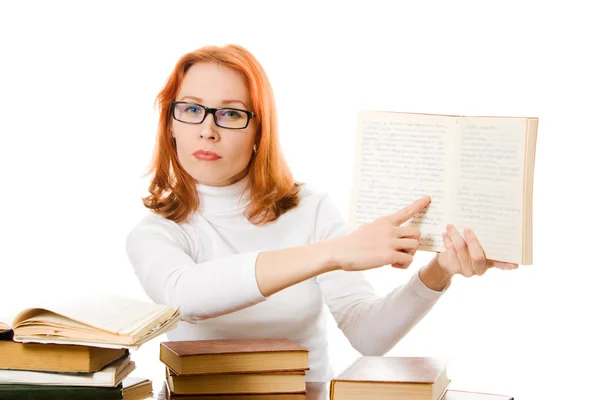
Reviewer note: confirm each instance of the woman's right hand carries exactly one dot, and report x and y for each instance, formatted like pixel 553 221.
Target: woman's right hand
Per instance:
pixel 380 242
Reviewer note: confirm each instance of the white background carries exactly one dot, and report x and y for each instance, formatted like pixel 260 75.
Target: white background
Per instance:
pixel 77 85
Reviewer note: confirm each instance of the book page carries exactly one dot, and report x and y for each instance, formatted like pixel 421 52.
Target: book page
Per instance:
pixel 399 158
pixel 489 184
pixel 4 327
pixel 109 313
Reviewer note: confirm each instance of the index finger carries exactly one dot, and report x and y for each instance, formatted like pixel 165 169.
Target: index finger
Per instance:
pixel 400 217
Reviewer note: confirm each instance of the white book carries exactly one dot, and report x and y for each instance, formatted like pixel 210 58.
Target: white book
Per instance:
pixel 110 376
pixel 478 171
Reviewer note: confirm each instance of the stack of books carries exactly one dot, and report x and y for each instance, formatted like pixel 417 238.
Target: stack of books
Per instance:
pixel 79 350
pixel 252 369
pixel 408 378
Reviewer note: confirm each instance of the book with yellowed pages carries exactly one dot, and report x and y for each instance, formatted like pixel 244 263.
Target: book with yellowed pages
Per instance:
pixel 237 383
pixel 464 395
pixel 100 321
pixel 109 376
pixel 168 395
pixel 64 358
pixel 275 396
pixel 409 378
pixel 233 355
pixel 478 172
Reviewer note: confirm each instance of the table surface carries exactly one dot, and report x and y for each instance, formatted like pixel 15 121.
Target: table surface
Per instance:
pixel 314 391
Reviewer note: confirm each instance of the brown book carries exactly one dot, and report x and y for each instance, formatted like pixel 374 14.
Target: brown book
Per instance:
pixel 56 357
pixel 276 396
pixel 110 376
pixel 409 378
pixel 137 388
pixel 462 395
pixel 238 383
pixel 193 357
pixel 168 395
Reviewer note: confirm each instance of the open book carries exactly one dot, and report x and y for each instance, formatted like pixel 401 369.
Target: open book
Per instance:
pixel 477 170
pixel 101 321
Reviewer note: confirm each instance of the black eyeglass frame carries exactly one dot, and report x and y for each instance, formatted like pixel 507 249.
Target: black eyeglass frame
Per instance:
pixel 209 110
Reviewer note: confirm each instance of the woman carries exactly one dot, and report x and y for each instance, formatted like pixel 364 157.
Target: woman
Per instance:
pixel 245 251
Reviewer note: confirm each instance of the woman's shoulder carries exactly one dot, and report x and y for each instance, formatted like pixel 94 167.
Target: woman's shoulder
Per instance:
pixel 328 219
pixel 319 202
pixel 154 219
pixel 312 195
pixel 154 224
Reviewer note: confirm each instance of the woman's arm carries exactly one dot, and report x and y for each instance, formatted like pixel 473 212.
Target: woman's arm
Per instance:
pixel 373 324
pixel 160 256
pixel 379 243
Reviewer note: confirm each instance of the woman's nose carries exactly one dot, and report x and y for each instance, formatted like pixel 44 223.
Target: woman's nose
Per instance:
pixel 208 129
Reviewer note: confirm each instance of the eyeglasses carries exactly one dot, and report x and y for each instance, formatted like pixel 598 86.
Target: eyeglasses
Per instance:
pixel 192 113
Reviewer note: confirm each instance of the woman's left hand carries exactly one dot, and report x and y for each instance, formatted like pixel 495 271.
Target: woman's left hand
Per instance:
pixel 465 256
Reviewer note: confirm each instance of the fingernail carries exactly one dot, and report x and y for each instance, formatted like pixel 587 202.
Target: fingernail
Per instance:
pixel 450 228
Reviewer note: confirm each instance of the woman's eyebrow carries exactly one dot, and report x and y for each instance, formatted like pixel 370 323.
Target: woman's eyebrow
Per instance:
pixel 199 100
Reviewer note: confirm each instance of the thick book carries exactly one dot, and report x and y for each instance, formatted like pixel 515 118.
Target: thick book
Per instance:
pixel 478 171
pixel 273 396
pixel 237 383
pixel 110 376
pixel 409 378
pixel 132 388
pixel 166 394
pixel 464 395
pixel 233 355
pixel 64 358
pixel 99 321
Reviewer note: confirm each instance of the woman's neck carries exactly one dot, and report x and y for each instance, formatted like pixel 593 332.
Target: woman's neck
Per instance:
pixel 223 199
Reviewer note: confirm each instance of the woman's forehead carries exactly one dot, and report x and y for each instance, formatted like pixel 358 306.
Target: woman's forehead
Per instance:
pixel 211 82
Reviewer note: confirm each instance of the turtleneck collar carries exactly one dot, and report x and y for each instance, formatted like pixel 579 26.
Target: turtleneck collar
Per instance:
pixel 223 199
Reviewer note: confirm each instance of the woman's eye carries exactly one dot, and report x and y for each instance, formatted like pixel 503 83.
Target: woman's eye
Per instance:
pixel 191 110
pixel 231 114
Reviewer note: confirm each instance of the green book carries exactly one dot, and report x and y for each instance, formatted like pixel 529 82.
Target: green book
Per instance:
pixel 137 388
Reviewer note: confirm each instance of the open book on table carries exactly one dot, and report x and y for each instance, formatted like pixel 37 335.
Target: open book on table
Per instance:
pixel 477 170
pixel 100 321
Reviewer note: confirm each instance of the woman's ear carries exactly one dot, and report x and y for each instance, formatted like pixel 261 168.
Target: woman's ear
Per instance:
pixel 257 139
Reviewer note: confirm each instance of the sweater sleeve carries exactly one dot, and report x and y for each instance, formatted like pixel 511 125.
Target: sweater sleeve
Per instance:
pixel 160 256
pixel 372 324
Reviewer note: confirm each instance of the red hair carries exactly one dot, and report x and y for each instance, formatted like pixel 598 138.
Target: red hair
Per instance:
pixel 273 190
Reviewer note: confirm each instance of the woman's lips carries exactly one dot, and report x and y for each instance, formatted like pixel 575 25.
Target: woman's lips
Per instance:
pixel 206 155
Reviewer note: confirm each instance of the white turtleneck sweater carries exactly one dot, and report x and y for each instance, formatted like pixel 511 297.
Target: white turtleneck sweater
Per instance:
pixel 206 266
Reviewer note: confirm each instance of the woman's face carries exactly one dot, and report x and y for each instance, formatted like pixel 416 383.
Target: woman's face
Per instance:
pixel 211 154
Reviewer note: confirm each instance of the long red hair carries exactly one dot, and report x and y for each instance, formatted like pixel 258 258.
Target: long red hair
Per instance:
pixel 273 190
